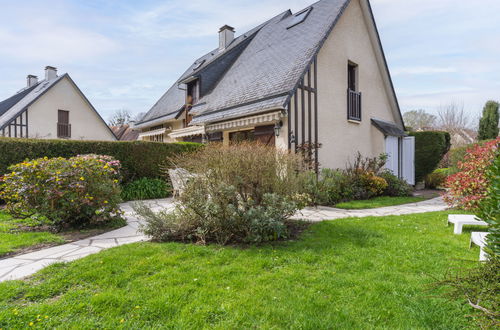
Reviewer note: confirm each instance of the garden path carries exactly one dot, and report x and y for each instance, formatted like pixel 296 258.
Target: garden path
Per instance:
pixel 27 264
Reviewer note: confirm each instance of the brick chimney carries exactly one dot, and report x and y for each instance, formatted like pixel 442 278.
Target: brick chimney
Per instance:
pixel 31 80
pixel 50 72
pixel 226 35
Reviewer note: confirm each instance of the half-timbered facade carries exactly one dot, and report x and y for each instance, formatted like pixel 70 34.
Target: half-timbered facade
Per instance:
pixel 317 78
pixel 53 108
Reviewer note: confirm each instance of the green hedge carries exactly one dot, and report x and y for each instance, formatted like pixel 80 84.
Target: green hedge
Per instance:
pixel 430 147
pixel 140 159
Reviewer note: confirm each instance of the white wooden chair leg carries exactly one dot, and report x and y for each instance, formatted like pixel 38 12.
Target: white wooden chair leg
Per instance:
pixel 457 230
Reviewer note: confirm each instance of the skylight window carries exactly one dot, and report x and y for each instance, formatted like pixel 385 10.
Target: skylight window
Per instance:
pixel 299 17
pixel 198 65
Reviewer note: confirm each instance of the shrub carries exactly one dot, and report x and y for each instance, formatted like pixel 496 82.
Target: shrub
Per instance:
pixel 239 193
pixel 363 180
pixel 139 159
pixel 76 191
pixel 469 186
pixel 430 147
pixel 396 187
pixel 437 178
pixel 146 188
pixel 489 209
pixel 329 188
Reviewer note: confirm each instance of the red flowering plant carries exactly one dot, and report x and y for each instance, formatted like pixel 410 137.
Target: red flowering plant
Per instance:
pixel 76 191
pixel 469 186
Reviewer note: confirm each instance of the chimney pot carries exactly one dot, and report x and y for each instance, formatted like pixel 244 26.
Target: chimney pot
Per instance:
pixel 31 80
pixel 50 72
pixel 226 36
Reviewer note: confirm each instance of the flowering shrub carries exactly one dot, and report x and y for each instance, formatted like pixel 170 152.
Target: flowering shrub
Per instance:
pixel 468 187
pixel 75 191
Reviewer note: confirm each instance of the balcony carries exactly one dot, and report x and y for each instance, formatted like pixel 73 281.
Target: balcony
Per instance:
pixel 63 130
pixel 353 105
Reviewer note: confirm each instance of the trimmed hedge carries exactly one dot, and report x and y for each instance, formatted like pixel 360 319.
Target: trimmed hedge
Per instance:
pixel 139 159
pixel 430 147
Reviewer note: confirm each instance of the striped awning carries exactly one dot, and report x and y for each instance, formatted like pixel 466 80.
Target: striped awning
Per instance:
pixel 266 118
pixel 159 131
pixel 188 131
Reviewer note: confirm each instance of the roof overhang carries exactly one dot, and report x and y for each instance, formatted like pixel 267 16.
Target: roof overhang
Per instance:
pixel 250 121
pixel 188 131
pixel 160 131
pixel 388 128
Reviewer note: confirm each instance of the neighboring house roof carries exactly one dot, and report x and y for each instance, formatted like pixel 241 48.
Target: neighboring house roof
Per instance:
pixel 125 133
pixel 260 69
pixel 16 104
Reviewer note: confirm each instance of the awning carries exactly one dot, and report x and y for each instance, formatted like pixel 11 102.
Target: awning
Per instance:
pixel 160 131
pixel 246 121
pixel 188 131
pixel 388 128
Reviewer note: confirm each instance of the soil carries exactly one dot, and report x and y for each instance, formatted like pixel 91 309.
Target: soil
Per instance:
pixel 428 193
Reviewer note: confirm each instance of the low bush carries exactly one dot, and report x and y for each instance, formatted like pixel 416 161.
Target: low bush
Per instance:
pixel 364 183
pixel 146 188
pixel 430 147
pixel 468 187
pixel 396 187
pixel 437 178
pixel 138 159
pixel 77 191
pixel 329 188
pixel 239 193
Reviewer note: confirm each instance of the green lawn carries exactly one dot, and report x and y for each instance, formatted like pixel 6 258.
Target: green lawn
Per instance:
pixel 349 273
pixel 379 202
pixel 12 239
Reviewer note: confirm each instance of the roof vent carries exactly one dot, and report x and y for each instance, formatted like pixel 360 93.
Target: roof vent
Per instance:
pixel 50 72
pixel 31 80
pixel 226 36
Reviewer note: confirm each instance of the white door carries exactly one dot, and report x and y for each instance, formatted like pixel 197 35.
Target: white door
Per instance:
pixel 392 151
pixel 408 160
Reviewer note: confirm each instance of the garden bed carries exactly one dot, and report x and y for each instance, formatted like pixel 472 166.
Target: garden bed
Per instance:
pixel 353 273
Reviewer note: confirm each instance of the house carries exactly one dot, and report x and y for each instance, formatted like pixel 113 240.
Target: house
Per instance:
pixel 125 132
pixel 52 108
pixel 314 77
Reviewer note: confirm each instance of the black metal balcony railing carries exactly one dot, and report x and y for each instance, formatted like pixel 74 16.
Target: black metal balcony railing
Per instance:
pixel 353 105
pixel 63 130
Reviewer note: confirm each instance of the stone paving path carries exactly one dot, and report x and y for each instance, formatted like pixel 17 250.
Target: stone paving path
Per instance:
pixel 27 264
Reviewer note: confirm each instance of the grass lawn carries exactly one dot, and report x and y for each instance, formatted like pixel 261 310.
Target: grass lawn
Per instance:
pixel 349 273
pixel 379 202
pixel 12 239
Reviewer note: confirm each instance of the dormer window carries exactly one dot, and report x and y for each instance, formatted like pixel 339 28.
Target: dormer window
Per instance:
pixel 299 17
pixel 193 92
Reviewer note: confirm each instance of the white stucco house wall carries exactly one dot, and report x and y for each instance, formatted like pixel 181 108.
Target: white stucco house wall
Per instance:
pixel 53 108
pixel 318 77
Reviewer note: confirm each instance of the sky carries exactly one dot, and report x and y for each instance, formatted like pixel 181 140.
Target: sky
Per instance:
pixel 125 54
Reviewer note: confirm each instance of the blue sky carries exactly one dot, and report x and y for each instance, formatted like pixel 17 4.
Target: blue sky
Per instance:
pixel 125 54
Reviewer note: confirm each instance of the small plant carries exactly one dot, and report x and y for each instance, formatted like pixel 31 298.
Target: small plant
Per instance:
pixel 468 187
pixel 328 188
pixel 77 191
pixel 364 181
pixel 437 178
pixel 146 188
pixel 396 187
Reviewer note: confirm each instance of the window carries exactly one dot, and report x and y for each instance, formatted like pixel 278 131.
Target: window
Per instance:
pixel 353 95
pixel 193 92
pixel 63 125
pixel 299 17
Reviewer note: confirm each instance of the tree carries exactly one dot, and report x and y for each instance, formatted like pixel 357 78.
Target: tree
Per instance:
pixel 452 118
pixel 119 118
pixel 419 119
pixel 488 124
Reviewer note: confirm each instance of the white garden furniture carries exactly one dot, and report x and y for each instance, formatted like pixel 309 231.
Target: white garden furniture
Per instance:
pixel 479 238
pixel 459 220
pixel 179 178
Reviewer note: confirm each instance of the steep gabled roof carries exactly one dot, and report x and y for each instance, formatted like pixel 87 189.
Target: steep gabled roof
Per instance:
pixel 11 101
pixel 265 70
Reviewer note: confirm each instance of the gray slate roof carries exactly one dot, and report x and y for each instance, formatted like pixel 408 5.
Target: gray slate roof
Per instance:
pixel 265 71
pixel 388 128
